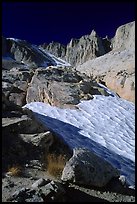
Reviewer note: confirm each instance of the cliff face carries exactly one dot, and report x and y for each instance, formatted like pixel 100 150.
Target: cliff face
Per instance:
pixel 111 61
pixel 87 47
pixel 80 50
pixel 116 68
pixel 125 37
pixel 20 51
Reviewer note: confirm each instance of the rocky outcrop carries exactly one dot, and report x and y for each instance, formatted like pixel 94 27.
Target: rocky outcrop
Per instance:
pixel 54 85
pixel 86 168
pixel 117 68
pixel 61 86
pixel 80 50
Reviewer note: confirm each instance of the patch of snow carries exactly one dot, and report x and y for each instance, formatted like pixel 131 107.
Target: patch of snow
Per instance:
pixel 105 125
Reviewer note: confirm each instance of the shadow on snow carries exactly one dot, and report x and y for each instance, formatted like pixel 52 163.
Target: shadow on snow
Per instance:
pixel 72 136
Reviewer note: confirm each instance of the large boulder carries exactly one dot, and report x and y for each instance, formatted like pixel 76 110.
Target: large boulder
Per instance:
pixel 59 86
pixel 86 168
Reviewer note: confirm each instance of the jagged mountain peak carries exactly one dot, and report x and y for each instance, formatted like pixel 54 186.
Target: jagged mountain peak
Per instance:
pixel 29 54
pixel 80 50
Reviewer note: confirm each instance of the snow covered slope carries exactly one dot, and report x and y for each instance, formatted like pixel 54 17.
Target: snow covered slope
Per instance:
pixel 105 125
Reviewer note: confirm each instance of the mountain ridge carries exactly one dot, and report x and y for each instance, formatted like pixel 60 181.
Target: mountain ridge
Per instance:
pixel 110 61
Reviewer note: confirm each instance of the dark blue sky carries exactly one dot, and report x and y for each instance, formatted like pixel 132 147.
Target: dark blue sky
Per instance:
pixel 39 22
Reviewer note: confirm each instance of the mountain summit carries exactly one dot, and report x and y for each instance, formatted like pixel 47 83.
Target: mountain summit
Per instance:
pixel 80 50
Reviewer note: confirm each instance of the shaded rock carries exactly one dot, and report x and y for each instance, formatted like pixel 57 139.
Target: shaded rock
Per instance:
pixel 22 51
pixel 9 109
pixel 14 149
pixel 86 168
pixel 15 123
pixel 25 139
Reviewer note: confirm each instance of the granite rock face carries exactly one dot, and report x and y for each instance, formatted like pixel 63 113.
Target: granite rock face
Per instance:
pixel 80 50
pixel 24 53
pixel 87 47
pixel 125 37
pixel 116 68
